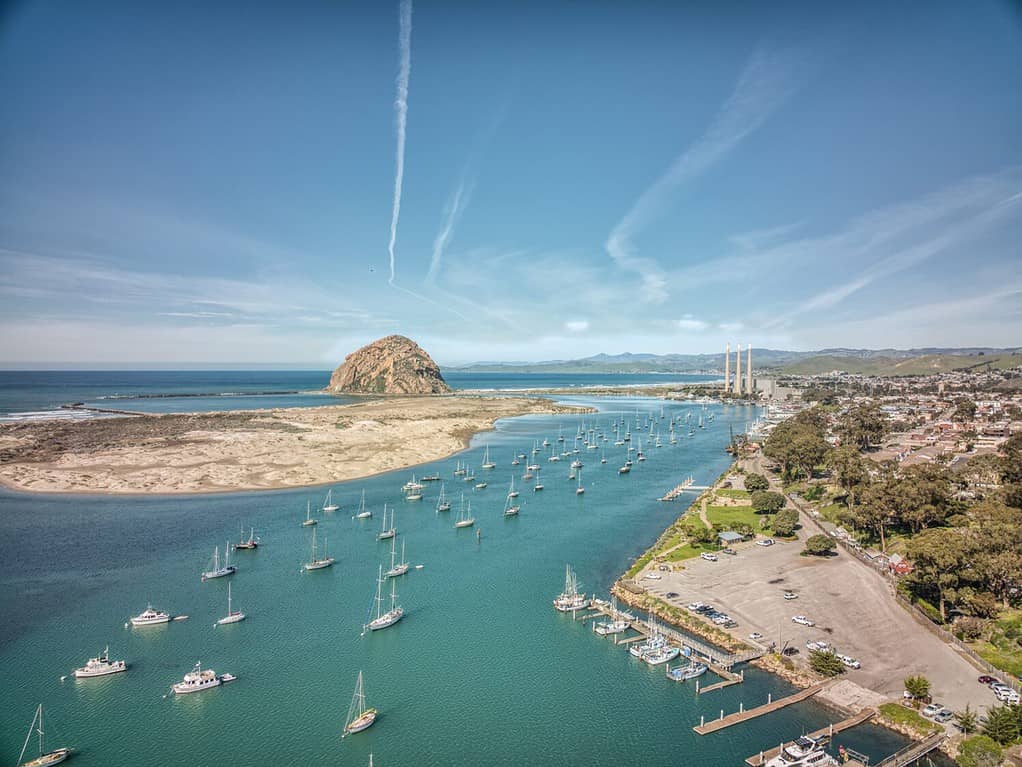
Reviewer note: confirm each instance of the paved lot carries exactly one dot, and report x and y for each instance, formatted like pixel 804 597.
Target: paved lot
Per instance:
pixel 852 607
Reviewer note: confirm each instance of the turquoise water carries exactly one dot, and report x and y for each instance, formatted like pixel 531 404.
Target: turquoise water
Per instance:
pixel 481 671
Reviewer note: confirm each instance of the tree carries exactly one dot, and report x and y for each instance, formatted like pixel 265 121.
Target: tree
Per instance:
pixel 965 410
pixel 820 394
pixel 848 470
pixel 980 751
pixel 784 522
pixel 918 686
pixel 767 502
pixel 938 557
pixel 967 720
pixel 825 663
pixel 819 545
pixel 862 425
pixel 756 482
pixel 1002 723
pixel 799 443
pixel 1011 470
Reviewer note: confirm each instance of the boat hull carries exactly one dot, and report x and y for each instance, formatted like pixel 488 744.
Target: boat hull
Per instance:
pixel 319 564
pixel 386 535
pixel 386 620
pixel 221 573
pixel 364 722
pixel 183 689
pixel 114 668
pixel 53 757
pixel 396 571
pixel 233 618
pixel 150 621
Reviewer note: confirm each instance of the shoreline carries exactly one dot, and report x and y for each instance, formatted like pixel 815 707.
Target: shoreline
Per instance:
pixel 249 451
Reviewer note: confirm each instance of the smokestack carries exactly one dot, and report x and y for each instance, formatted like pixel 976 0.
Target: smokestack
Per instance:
pixel 738 371
pixel 748 372
pixel 727 368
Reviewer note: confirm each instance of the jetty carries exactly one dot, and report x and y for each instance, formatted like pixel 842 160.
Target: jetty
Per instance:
pixel 684 487
pixel 705 728
pixel 760 759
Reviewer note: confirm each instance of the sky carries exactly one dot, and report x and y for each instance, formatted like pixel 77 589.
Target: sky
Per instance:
pixel 280 183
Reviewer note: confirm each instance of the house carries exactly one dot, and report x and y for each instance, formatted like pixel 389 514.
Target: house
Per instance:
pixel 728 537
pixel 898 564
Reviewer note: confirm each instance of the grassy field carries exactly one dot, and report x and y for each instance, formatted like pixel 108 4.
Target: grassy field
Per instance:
pixel 903 715
pixel 730 492
pixel 731 516
pixel 1004 649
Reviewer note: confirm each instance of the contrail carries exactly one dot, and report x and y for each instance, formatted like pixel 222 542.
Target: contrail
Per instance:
pixel 401 108
pixel 452 213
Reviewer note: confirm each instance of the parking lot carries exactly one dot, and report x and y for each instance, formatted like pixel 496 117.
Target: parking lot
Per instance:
pixel 852 608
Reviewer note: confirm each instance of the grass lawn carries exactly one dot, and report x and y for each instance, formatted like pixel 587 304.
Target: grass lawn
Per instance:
pixel 909 717
pixel 688 551
pixel 731 516
pixel 1004 650
pixel 832 512
pixel 730 492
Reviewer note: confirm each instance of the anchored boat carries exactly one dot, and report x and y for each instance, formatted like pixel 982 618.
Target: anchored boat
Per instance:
pixel 100 666
pixel 359 717
pixel 45 758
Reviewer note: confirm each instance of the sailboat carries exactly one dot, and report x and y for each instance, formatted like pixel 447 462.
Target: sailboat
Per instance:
pixel 487 463
pixel 460 470
pixel 579 490
pixel 328 504
pixel 570 600
pixel 384 619
pixel 219 571
pixel 442 504
pixel 512 493
pixel 233 616
pixel 539 483
pixel 509 509
pixel 45 759
pixel 397 568
pixel 309 521
pixel 251 543
pixel 315 562
pixel 465 519
pixel 387 532
pixel 359 717
pixel 363 512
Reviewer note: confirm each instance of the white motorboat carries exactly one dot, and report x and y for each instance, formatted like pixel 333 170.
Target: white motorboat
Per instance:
pixel 359 717
pixel 804 752
pixel 663 654
pixel 384 619
pixel 218 570
pixel 233 616
pixel 45 758
pixel 150 617
pixel 100 666
pixel 570 600
pixel 199 679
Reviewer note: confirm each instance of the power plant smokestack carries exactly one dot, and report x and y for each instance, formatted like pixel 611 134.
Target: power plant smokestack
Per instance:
pixel 748 373
pixel 738 371
pixel 727 368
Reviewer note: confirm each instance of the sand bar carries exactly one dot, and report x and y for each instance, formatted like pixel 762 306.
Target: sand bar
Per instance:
pixel 247 450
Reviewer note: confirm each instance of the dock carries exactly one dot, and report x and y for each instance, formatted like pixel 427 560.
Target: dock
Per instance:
pixel 758 760
pixel 705 728
pixel 684 487
pixel 914 751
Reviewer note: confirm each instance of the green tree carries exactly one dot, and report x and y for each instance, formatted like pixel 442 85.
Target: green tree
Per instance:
pixel 1011 470
pixel 818 545
pixel 756 482
pixel 767 501
pixel 980 751
pixel 799 443
pixel 938 557
pixel 965 410
pixel 848 470
pixel 917 685
pixel 1002 724
pixel 825 663
pixel 862 425
pixel 784 522
pixel 967 720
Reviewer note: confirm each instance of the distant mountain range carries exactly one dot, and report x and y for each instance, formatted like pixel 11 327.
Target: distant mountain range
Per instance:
pixel 867 361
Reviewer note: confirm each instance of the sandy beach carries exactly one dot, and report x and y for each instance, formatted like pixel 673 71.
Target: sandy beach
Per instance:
pixel 246 450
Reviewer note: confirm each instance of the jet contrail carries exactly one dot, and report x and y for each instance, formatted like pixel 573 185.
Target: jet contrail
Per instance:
pixel 401 108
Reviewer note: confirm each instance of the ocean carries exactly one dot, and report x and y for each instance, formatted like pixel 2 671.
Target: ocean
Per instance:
pixel 481 670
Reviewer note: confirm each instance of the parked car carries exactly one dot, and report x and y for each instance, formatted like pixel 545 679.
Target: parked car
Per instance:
pixel 849 661
pixel 943 716
pixel 708 556
pixel 821 646
pixel 790 595
pixel 766 542
pixel 653 576
pixel 803 620
pixel 932 710
pixel 789 651
pixel 1007 695
pixel 732 552
pixel 696 606
pixel 755 635
pixel 987 679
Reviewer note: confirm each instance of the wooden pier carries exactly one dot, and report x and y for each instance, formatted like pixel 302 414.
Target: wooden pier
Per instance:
pixel 915 751
pixel 758 760
pixel 684 487
pixel 705 728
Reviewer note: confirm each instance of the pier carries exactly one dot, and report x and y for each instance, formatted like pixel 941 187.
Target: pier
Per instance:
pixel 684 487
pixel 758 760
pixel 913 752
pixel 705 728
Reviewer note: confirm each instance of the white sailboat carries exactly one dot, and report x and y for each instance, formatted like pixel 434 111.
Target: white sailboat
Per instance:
pixel 579 490
pixel 387 532
pixel 328 504
pixel 45 758
pixel 316 562
pixel 512 493
pixel 570 600
pixel 218 570
pixel 359 717
pixel 363 512
pixel 442 504
pixel 487 463
pixel 397 568
pixel 511 510
pixel 465 518
pixel 309 521
pixel 384 619
pixel 233 616
pixel 539 483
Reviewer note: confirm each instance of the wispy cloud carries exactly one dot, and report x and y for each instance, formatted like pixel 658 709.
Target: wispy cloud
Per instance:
pixel 401 112
pixel 452 214
pixel 765 83
pixel 691 324
pixel 576 326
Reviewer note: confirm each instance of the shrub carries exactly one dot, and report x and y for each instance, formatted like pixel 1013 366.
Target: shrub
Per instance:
pixel 980 751
pixel 826 663
pixel 819 545
pixel 755 482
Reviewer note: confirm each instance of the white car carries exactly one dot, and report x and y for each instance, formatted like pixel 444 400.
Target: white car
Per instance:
pixel 821 646
pixel 766 542
pixel 790 595
pixel 932 710
pixel 653 576
pixel 708 556
pixel 803 620
pixel 849 661
pixel 755 635
pixel 1007 695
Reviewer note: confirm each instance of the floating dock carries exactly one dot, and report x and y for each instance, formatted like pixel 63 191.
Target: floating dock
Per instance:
pixel 705 728
pixel 829 731
pixel 684 487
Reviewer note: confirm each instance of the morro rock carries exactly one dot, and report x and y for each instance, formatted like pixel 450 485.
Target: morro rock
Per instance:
pixel 391 365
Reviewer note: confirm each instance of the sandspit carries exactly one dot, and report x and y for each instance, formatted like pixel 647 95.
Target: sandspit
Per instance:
pixel 247 450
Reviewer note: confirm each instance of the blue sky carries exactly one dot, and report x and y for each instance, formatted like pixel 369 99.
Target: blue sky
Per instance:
pixel 215 182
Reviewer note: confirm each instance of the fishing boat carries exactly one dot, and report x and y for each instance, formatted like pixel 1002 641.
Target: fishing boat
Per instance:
pixel 199 679
pixel 465 518
pixel 689 671
pixel 150 617
pixel 442 504
pixel 363 512
pixel 328 504
pixel 803 752
pixel 664 654
pixel 384 619
pixel 512 493
pixel 579 490
pixel 218 570
pixel 309 521
pixel 359 717
pixel 233 616
pixel 251 543
pixel 315 561
pixel 45 758
pixel 511 510
pixel 397 568
pixel 570 600
pixel 487 463
pixel 100 666
pixel 386 532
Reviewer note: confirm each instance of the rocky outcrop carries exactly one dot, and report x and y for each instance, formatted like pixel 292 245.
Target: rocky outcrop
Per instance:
pixel 391 365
